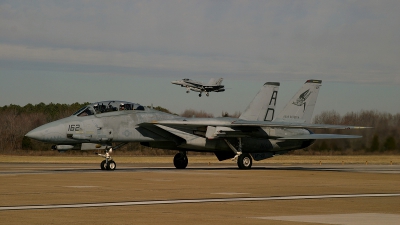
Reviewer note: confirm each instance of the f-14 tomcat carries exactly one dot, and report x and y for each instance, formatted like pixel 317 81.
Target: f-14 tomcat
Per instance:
pixel 255 135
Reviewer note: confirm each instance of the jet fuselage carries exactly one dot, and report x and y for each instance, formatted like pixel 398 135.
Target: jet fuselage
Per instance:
pixel 128 126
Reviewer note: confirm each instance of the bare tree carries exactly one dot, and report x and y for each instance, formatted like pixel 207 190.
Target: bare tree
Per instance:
pixel 197 114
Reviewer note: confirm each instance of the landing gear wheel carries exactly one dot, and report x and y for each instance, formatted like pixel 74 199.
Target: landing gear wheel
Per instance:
pixel 199 95
pixel 207 94
pixel 111 165
pixel 244 161
pixel 108 163
pixel 103 165
pixel 180 161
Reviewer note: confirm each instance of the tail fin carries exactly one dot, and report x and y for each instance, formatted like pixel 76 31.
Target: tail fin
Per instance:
pixel 213 82
pixel 219 81
pixel 262 108
pixel 301 107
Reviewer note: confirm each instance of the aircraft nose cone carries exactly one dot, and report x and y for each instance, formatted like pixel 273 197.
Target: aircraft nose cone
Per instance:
pixel 53 132
pixel 35 133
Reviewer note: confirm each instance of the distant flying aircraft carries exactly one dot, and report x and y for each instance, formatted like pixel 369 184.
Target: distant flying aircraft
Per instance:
pixel 256 134
pixel 212 86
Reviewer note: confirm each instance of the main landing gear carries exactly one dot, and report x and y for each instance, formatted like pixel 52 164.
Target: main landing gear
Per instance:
pixel 180 160
pixel 207 94
pixel 244 160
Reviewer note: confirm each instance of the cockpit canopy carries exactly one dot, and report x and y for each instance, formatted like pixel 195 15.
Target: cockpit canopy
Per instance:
pixel 107 106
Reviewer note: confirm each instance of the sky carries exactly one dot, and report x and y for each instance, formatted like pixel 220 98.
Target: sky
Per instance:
pixel 94 50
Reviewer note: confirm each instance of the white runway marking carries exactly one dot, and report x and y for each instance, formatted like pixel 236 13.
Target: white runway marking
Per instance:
pixel 81 186
pixel 342 219
pixel 158 202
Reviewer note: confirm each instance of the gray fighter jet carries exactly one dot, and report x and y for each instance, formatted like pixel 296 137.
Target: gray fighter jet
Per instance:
pixel 255 135
pixel 212 86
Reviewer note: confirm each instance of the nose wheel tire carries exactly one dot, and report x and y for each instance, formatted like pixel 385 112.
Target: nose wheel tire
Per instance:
pixel 245 161
pixel 103 165
pixel 110 165
pixel 180 161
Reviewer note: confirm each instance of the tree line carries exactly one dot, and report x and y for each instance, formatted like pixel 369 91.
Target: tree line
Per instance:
pixel 383 137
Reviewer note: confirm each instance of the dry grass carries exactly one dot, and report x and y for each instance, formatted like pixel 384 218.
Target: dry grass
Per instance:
pixel 284 159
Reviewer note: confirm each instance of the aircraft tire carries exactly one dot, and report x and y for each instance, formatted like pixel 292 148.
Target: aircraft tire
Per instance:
pixel 103 165
pixel 180 161
pixel 111 165
pixel 245 161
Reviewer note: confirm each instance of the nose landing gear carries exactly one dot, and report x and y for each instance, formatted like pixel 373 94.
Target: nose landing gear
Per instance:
pixel 108 163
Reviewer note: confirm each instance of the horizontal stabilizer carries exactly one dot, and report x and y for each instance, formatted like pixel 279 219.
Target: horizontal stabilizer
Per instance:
pixel 319 136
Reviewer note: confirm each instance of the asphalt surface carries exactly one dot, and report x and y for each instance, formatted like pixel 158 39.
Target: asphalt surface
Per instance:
pixel 37 193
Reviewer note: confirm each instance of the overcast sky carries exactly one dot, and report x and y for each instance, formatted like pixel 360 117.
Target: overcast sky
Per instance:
pixel 87 51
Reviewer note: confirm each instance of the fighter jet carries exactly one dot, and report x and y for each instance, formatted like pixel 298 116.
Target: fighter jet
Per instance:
pixel 212 86
pixel 255 135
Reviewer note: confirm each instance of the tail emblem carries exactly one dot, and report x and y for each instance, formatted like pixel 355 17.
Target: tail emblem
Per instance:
pixel 302 99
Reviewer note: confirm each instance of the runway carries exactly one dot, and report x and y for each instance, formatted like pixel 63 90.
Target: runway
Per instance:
pixel 40 168
pixel 217 194
pixel 105 204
